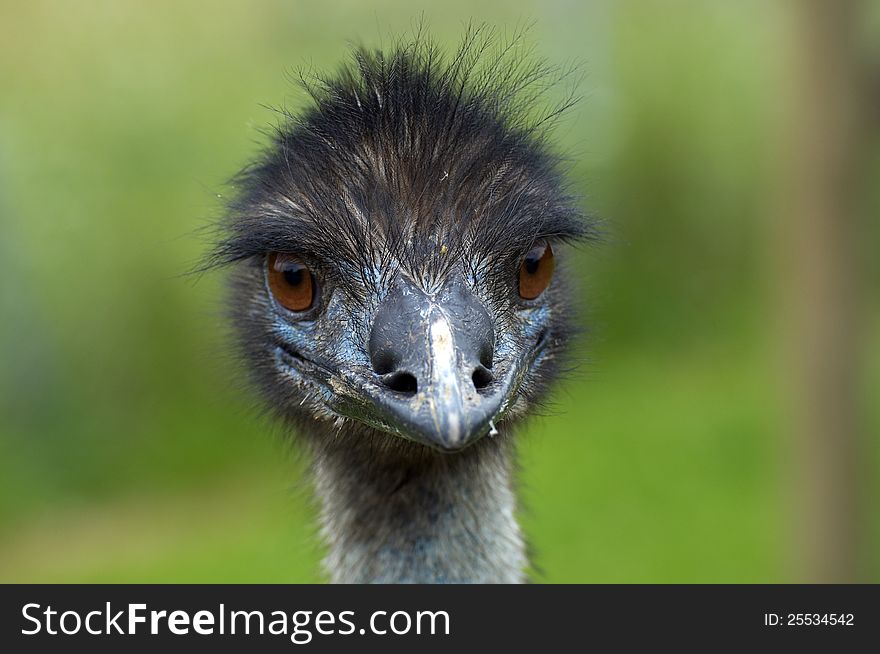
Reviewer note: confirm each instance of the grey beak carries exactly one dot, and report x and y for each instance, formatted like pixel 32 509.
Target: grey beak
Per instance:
pixel 433 356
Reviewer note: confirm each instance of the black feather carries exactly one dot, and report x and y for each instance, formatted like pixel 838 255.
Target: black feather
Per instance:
pixel 411 157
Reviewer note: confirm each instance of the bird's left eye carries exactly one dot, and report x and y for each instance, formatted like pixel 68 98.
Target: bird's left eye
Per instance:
pixel 291 282
pixel 535 272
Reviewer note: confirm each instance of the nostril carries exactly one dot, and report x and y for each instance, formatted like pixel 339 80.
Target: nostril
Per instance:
pixel 402 382
pixel 481 378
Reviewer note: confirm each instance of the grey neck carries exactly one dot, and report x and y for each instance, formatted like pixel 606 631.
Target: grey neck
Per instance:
pixel 389 517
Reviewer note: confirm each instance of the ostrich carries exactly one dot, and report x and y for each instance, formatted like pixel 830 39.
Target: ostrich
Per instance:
pixel 398 301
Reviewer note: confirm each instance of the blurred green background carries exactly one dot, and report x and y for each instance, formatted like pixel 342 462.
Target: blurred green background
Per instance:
pixel 128 455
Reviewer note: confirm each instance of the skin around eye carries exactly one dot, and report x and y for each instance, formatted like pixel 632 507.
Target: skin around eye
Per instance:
pixel 290 281
pixel 536 271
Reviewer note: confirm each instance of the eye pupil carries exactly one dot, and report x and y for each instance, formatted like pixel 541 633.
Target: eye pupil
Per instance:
pixel 293 275
pixel 531 265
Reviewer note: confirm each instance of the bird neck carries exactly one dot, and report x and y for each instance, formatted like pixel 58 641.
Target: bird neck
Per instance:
pixel 391 517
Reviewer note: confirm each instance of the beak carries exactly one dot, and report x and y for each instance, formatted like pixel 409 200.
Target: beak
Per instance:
pixel 433 358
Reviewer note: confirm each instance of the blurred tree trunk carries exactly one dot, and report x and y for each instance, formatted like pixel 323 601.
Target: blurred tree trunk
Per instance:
pixel 820 201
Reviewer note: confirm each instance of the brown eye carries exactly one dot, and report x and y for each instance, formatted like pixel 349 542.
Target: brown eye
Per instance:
pixel 535 272
pixel 290 282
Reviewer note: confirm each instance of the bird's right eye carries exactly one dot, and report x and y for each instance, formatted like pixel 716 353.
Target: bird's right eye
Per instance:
pixel 290 281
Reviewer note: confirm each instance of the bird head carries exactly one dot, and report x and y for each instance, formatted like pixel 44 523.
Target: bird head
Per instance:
pixel 397 250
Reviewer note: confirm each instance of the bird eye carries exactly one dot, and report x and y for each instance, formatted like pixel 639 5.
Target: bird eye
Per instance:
pixel 290 282
pixel 535 272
